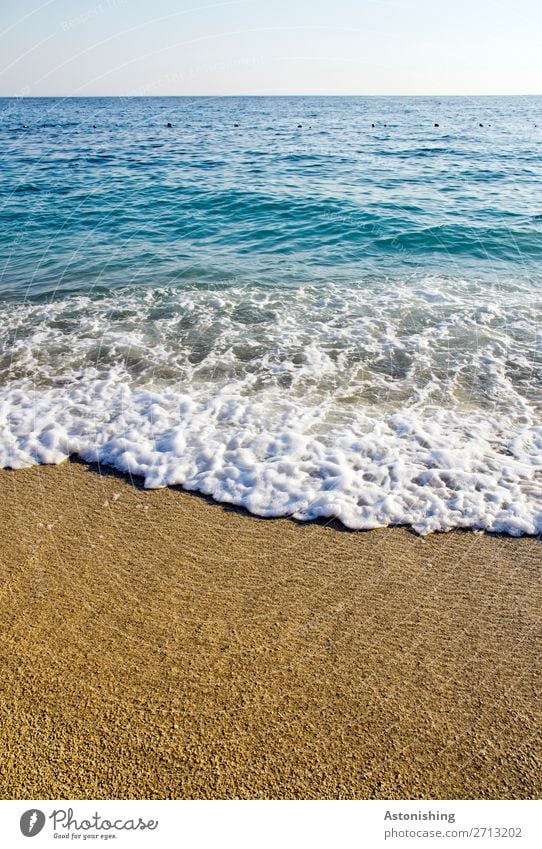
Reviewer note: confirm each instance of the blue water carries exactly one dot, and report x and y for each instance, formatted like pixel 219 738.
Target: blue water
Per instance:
pixel 205 201
pixel 336 298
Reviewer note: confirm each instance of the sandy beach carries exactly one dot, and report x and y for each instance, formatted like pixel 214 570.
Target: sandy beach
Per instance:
pixel 158 645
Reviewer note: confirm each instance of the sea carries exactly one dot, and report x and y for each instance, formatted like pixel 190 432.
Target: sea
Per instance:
pixel 314 307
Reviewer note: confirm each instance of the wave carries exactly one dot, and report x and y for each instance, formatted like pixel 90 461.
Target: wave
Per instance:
pixel 415 403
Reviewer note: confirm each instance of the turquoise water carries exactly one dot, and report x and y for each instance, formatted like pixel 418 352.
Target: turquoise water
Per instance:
pixel 303 314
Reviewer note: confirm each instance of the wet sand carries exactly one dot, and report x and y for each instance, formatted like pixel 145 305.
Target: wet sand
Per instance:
pixel 158 645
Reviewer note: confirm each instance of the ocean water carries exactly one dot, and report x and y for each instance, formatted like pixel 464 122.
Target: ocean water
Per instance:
pixel 325 320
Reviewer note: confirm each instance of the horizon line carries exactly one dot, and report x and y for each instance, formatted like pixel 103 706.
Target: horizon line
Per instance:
pixel 149 96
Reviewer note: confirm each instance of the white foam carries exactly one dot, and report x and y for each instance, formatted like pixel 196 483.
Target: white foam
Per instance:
pixel 401 410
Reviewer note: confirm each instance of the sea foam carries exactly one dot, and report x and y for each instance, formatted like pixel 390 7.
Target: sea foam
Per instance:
pixel 414 404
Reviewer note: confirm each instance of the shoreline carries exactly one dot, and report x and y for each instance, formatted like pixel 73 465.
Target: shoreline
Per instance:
pixel 162 645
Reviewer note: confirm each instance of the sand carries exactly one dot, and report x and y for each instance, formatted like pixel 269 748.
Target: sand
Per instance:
pixel 158 645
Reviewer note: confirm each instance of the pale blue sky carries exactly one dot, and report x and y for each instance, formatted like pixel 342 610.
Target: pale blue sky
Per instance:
pixel 138 47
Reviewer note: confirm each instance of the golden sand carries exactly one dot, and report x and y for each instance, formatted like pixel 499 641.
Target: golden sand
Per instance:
pixel 158 645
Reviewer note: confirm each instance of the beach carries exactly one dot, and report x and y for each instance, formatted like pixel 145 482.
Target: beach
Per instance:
pixel 270 447
pixel 157 644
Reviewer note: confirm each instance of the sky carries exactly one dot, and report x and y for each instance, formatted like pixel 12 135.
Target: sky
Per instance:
pixel 280 47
